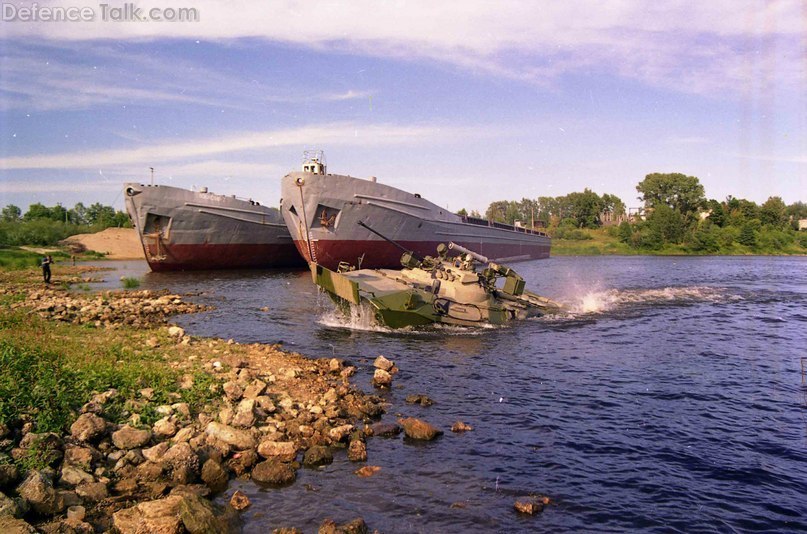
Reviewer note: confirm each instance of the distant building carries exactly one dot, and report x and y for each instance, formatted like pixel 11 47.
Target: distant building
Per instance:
pixel 802 224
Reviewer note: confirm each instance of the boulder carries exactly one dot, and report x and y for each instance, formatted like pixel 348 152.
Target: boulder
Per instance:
pixel 340 433
pixel 8 474
pixel 175 331
pixel 8 507
pixel 459 426
pixel 242 462
pixel 385 430
pixel 73 476
pixel 239 501
pixel 160 516
pixel 367 471
pixel 382 379
pixel 155 454
pixel 198 516
pixel 245 414
pixel 92 491
pixel 419 430
pixel 214 476
pixel 285 451
pixel 38 492
pixel 357 451
pixel 356 526
pixel 255 389
pixel 383 363
pixel 128 437
pixel 530 505
pixel 238 439
pixel 164 428
pixel 81 457
pixel 9 525
pixel 423 400
pixel 274 472
pixel 232 391
pixel 317 455
pixel 88 427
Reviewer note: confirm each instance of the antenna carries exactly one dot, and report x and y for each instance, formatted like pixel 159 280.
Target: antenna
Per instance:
pixel 152 175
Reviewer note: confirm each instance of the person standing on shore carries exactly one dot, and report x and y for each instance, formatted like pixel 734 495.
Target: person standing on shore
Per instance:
pixel 46 261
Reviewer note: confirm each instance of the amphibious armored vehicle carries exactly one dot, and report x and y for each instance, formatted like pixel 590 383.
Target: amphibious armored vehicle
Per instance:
pixel 442 289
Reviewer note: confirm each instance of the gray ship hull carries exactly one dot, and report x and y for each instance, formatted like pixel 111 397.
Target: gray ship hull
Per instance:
pixel 187 230
pixel 322 212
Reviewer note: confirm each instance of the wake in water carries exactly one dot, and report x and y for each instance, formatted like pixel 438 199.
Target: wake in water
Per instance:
pixel 362 319
pixel 606 300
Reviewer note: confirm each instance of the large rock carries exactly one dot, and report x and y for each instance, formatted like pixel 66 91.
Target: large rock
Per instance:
pixel 357 451
pixel 255 389
pixel 8 474
pixel 164 428
pixel 245 414
pixel 238 439
pixel 199 516
pixel 128 437
pixel 81 457
pixel 8 507
pixel 92 491
pixel 88 427
pixel 383 363
pixel 385 430
pixel 38 492
pixel 284 451
pixel 317 455
pixel 9 525
pixel 214 476
pixel 357 526
pixel 420 430
pixel 160 516
pixel 382 379
pixel 183 463
pixel 73 476
pixel 340 433
pixel 274 472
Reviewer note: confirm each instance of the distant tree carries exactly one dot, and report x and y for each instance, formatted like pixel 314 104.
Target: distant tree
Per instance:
pixel 37 211
pixel 666 225
pixel 683 194
pixel 796 211
pixel 773 212
pixel 625 232
pixel 11 213
pixel 98 214
pixel 462 212
pixel 475 213
pixel 78 215
pixel 716 213
pixel 748 236
pixel 58 213
pixel 585 208
pixel 704 238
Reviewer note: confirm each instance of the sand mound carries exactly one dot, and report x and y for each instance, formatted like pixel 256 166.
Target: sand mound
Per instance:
pixel 116 243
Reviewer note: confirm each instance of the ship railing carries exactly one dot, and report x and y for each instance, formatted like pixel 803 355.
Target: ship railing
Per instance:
pixel 493 224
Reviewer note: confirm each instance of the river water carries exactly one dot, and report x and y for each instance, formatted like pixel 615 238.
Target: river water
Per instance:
pixel 671 399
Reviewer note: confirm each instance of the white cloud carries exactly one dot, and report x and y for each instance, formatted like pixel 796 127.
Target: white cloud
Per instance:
pixel 695 46
pixel 177 153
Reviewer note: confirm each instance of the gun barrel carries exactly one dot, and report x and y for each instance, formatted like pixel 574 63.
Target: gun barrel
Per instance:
pixel 475 255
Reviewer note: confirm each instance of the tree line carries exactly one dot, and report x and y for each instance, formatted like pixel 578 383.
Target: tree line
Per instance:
pixel 44 225
pixel 675 215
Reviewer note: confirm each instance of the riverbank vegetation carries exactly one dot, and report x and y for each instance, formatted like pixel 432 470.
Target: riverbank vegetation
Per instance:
pixel 46 226
pixel 676 218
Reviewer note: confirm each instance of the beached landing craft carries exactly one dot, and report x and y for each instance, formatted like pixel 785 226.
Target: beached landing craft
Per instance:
pixel 440 289
pixel 184 230
pixel 323 210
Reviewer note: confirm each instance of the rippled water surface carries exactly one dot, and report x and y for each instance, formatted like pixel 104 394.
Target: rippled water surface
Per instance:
pixel 670 399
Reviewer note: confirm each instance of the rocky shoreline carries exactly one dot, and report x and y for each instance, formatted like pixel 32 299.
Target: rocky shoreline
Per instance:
pixel 157 469
pixel 274 412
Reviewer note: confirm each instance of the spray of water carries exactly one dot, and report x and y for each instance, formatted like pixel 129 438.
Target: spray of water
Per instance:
pixel 598 300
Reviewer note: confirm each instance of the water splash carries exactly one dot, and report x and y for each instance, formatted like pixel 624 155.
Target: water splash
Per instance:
pixel 361 318
pixel 605 300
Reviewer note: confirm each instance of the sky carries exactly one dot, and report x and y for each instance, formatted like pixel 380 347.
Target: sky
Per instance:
pixel 465 102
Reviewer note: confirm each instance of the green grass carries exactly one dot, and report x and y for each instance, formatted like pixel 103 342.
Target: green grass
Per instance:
pixel 130 283
pixel 14 259
pixel 48 370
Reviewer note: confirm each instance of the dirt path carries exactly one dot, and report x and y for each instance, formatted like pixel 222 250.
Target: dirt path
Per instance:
pixel 116 243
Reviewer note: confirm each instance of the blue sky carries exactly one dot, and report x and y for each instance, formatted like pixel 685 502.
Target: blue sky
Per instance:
pixel 464 102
